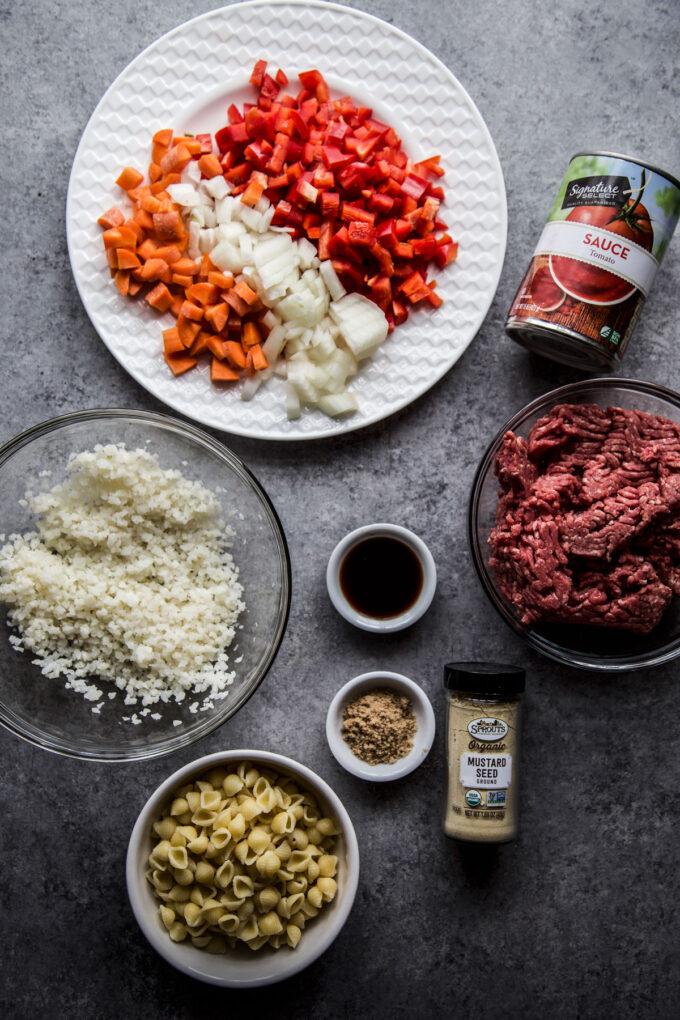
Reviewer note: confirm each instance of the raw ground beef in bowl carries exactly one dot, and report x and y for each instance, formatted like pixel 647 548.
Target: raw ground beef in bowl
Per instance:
pixel 574 524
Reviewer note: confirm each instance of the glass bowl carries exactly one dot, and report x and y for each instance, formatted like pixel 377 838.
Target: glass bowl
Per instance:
pixel 593 648
pixel 41 709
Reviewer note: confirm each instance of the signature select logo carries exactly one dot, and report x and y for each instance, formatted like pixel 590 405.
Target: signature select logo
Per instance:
pixel 487 729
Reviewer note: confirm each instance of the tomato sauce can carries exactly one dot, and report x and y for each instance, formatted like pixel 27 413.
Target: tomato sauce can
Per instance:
pixel 595 261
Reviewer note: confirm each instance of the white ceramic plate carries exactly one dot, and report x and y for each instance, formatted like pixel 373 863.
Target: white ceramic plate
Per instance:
pixel 186 80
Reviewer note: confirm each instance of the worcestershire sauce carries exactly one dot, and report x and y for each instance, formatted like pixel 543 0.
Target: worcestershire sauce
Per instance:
pixel 381 577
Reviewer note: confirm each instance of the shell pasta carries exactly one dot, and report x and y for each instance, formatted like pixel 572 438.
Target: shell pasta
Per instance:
pixel 242 857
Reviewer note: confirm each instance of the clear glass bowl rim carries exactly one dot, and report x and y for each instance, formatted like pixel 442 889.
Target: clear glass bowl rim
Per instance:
pixel 558 653
pixel 204 439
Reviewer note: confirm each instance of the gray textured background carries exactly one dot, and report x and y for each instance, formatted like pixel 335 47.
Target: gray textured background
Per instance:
pixel 579 917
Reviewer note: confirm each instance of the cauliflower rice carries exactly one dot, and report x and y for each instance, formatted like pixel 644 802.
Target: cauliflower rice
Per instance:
pixel 127 579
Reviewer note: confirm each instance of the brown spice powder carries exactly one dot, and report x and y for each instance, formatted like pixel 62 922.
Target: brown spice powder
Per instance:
pixel 379 727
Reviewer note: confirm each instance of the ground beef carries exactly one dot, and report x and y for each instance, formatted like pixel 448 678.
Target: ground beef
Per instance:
pixel 588 519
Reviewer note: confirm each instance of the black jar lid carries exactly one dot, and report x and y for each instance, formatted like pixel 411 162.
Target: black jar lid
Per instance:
pixel 485 678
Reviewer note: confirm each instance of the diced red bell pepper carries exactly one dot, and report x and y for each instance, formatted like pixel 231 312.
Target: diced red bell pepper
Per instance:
pixel 414 186
pixel 361 233
pixel 445 254
pixel 400 312
pixel 205 141
pixel 325 235
pixel 349 271
pixel 232 134
pixel 349 211
pixel 259 152
pixel 335 159
pixel 316 84
pixel 258 73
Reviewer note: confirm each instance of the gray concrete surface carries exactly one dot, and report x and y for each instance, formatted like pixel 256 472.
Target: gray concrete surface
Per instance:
pixel 578 918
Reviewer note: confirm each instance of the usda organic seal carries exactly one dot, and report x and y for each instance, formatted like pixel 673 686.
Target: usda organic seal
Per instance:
pixel 473 798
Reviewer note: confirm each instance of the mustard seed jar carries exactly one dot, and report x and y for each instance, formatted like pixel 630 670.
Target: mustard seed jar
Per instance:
pixel 482 749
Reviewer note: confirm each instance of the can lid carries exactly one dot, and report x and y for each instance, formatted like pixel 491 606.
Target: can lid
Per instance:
pixel 484 678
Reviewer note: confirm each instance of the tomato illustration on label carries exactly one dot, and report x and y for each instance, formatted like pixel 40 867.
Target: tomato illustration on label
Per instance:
pixel 545 293
pixel 592 284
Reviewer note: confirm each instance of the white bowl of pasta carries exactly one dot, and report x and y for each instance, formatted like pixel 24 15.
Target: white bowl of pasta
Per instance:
pixel 242 868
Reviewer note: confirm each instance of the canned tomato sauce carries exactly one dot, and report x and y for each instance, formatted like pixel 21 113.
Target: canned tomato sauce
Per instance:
pixel 595 260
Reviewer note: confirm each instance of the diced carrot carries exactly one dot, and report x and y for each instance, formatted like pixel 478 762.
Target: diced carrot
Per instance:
pixel 245 292
pixel 251 334
pixel 172 253
pixel 190 143
pixel 176 306
pixel 135 287
pixel 158 152
pixel 223 281
pixel 235 354
pixel 127 259
pixel 235 302
pixel 181 281
pixel 206 267
pixel 129 178
pixel 163 137
pixel 143 220
pixel 203 293
pixel 175 159
pixel 134 228
pixel 210 166
pixel 147 249
pixel 171 341
pixel 258 359
pixel 122 280
pixel 200 344
pixel 221 372
pixel 153 269
pixel 119 237
pixel 159 297
pixel 150 203
pixel 138 193
pixel 187 329
pixel 112 259
pixel 185 266
pixel 216 346
pixel 192 311
pixel 179 364
pixel 113 217
pixel 217 315
pixel 256 188
pixel 155 173
pixel 168 226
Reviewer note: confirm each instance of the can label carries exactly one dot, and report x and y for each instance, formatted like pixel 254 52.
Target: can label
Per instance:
pixel 599 252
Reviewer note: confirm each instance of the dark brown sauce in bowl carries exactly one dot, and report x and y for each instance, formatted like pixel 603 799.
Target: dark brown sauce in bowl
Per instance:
pixel 381 577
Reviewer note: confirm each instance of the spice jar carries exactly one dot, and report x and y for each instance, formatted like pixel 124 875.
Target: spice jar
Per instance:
pixel 482 746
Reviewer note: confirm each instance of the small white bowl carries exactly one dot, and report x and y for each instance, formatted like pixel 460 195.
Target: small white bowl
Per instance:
pixel 392 623
pixel 422 740
pixel 242 967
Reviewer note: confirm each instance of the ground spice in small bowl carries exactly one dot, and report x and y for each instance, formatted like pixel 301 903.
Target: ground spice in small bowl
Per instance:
pixel 379 726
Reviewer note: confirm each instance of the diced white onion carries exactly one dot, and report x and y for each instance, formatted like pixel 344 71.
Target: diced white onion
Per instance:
pixel 316 331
